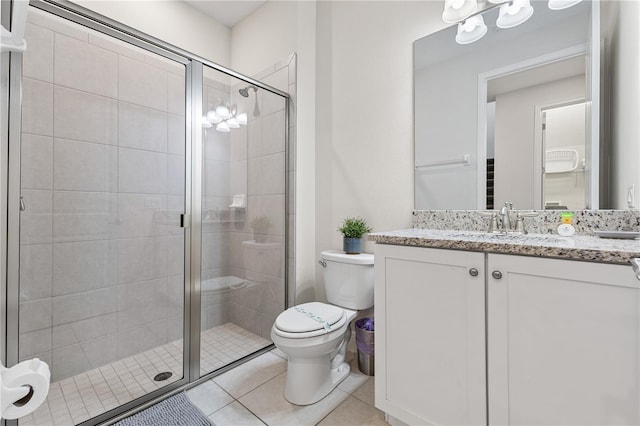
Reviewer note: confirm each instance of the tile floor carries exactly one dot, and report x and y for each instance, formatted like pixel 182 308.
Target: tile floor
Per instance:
pixel 78 398
pixel 253 394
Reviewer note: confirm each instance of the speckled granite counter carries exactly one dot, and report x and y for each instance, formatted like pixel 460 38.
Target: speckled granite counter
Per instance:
pixel 585 248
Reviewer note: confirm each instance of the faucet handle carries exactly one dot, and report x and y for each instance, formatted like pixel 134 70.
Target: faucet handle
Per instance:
pixel 493 222
pixel 520 228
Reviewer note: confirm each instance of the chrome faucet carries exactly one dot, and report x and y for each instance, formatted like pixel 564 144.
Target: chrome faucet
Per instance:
pixel 505 214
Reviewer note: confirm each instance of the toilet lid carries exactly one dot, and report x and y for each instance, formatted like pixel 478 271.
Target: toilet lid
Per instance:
pixel 309 317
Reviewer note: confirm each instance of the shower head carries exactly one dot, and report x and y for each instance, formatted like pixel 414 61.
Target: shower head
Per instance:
pixel 245 91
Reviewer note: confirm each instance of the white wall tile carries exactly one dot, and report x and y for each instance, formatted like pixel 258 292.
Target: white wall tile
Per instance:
pixel 36 263
pixel 85 67
pixel 254 176
pixel 175 174
pixel 279 79
pixel 84 166
pixel 238 146
pixel 215 251
pixel 141 215
pixel 37 61
pixel 80 306
pixel 84 116
pixel 238 177
pixel 37 107
pixel 116 46
pixel 176 206
pixel 176 94
pixel 79 216
pixel 142 128
pixel 176 134
pixel 142 259
pixel 175 261
pixel 100 351
pixel 272 103
pixel 36 162
pixel 175 297
pixel 254 137
pixel 35 315
pixel 216 178
pixel 36 222
pixel 273 209
pixel 273 133
pixel 58 25
pixel 68 362
pixel 217 146
pixel 142 84
pixel 139 339
pixel 80 331
pixel 273 174
pixel 142 302
pixel 34 342
pixel 82 266
pixel 142 172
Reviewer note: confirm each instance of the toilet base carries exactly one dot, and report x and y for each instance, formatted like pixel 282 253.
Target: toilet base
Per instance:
pixel 309 382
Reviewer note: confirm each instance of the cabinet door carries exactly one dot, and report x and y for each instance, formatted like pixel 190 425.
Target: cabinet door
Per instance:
pixel 562 342
pixel 430 335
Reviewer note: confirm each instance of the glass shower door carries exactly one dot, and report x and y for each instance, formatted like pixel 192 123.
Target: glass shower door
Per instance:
pixel 243 217
pixel 102 259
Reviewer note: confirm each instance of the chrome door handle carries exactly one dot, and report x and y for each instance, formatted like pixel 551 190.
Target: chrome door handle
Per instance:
pixel 496 274
pixel 22 206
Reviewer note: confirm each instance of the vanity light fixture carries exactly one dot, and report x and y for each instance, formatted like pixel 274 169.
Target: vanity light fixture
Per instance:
pixel 468 15
pixel 458 10
pixel 562 4
pixel 471 30
pixel 225 117
pixel 514 13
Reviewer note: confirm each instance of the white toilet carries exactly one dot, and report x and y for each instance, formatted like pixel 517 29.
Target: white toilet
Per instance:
pixel 315 335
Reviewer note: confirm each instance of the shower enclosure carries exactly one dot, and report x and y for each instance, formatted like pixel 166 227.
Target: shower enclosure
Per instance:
pixel 147 214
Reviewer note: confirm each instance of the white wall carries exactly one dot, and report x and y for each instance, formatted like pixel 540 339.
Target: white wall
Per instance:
pixel 625 102
pixel 172 21
pixel 364 127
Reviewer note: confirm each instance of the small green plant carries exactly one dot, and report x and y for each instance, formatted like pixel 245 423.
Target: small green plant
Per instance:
pixel 354 227
pixel 260 224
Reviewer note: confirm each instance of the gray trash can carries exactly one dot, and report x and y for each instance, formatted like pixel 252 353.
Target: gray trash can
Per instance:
pixel 365 343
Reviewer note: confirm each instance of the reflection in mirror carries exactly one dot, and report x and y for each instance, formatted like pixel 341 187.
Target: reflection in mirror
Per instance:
pixel 468 157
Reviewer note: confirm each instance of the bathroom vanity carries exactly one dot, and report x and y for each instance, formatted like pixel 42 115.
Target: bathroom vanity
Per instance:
pixel 476 328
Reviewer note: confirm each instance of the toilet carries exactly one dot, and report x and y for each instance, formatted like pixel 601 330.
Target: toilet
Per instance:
pixel 315 335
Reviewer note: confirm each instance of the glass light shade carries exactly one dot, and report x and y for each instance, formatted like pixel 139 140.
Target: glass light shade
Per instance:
pixel 206 123
pixel 222 127
pixel 498 1
pixel 212 117
pixel 471 30
pixel 562 4
pixel 233 123
pixel 242 118
pixel 458 10
pixel 223 112
pixel 514 13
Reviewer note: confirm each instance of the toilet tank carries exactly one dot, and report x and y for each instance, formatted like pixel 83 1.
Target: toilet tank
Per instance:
pixel 348 279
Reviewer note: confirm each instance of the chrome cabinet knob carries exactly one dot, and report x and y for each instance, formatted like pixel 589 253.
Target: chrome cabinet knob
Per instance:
pixel 473 272
pixel 496 274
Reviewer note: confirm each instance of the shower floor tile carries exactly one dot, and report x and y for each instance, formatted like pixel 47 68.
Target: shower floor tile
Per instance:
pixel 86 395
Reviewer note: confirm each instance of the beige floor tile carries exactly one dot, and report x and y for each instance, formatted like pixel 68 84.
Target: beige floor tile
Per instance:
pixel 246 377
pixel 354 412
pixel 268 403
pixel 234 414
pixel 209 397
pixel 366 392
pixel 355 380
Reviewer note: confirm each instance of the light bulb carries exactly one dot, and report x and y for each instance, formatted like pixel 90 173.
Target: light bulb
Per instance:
pixel 223 112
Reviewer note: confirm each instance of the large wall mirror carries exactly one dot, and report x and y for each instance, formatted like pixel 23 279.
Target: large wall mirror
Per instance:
pixel 539 115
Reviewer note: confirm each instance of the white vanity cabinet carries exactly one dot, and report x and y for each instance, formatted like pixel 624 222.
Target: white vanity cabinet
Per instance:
pixel 430 335
pixel 561 338
pixel 562 342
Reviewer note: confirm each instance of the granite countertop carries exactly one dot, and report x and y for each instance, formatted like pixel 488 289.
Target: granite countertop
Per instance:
pixel 578 247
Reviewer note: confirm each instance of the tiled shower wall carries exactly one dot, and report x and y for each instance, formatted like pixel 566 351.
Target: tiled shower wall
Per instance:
pixel 103 183
pixel 234 243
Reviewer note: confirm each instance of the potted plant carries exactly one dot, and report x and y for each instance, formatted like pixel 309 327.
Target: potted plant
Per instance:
pixel 260 226
pixel 352 229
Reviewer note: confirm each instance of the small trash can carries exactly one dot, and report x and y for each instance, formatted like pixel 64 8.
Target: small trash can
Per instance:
pixel 365 344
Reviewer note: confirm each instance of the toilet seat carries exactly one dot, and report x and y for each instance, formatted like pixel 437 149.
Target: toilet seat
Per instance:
pixel 309 320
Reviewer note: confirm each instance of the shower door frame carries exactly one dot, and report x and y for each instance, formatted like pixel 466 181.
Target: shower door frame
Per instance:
pixel 192 223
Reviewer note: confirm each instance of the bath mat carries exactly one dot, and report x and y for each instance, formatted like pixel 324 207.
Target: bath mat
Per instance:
pixel 175 411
